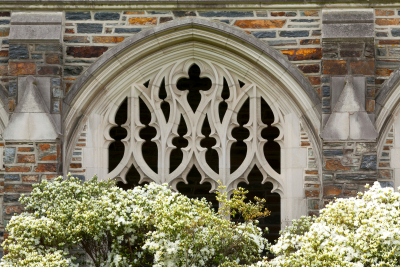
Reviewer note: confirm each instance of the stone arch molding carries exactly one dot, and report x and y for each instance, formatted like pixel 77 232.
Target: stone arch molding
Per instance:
pixel 221 52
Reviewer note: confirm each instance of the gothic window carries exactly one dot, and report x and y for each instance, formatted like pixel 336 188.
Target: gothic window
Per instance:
pixel 193 123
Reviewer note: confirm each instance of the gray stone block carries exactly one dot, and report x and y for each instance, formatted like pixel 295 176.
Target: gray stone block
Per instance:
pixel 18 51
pixel 329 153
pixel 56 81
pixel 127 30
pixel 294 33
pixel 11 198
pixel 11 177
pixel 304 20
pixel 4 21
pixel 229 14
pixel 386 184
pixel 37 56
pixel 9 155
pixel 35 33
pixel 77 16
pixel 89 28
pixel 282 42
pixel 265 34
pixel 348 16
pixel 12 89
pixel 356 177
pixel 181 13
pixel 361 127
pixel 107 16
pixel 357 30
pixel 369 162
pixel 72 70
pixel 50 47
pixel 326 91
pixel 36 18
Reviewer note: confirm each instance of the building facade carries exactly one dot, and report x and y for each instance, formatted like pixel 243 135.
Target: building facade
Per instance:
pixel 296 101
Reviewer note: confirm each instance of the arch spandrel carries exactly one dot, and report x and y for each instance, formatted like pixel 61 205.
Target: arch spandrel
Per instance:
pixel 226 52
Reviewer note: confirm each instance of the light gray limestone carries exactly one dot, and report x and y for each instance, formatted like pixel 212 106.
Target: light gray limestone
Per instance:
pixel 43 86
pixel 30 120
pixel 338 24
pixel 36 27
pixel 349 120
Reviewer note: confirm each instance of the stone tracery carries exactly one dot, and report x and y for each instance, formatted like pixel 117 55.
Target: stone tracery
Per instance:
pixel 195 130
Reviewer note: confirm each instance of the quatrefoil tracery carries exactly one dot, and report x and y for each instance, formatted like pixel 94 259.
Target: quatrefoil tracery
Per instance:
pixel 201 130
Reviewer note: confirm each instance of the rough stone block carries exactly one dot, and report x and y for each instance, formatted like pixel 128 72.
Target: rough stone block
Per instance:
pixel 313 204
pixel 56 81
pixel 166 19
pixel 86 51
pixel 46 167
pixel 30 178
pixel 264 34
pixel 332 190
pixel 127 30
pixel 143 21
pixel 106 16
pixel 369 162
pixel 9 155
pixel 72 70
pixel 334 67
pixel 11 177
pixel 76 39
pixel 48 152
pixel 303 54
pixel 314 80
pixel 312 193
pixel 11 210
pixel 11 198
pixel 18 51
pixel 309 13
pixel 386 22
pixel 382 12
pixel 35 33
pixel 50 47
pixel 334 165
pixel 77 16
pixel 363 67
pixel 37 56
pixel 89 28
pixel 49 70
pixel 385 174
pixel 326 91
pixel 386 184
pixel 294 33
pixel 25 158
pixel 53 58
pixel 57 92
pixel 107 39
pixel 25 149
pixel 12 89
pixel 260 24
pixel 21 68
pixel 314 68
pixel 228 14
pixel 18 169
pixel 282 43
pixel 310 42
pixel 355 177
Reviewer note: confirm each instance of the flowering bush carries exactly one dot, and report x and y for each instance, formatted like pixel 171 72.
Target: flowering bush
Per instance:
pixel 146 226
pixel 354 232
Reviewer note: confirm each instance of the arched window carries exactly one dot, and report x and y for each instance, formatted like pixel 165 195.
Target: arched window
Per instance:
pixel 193 124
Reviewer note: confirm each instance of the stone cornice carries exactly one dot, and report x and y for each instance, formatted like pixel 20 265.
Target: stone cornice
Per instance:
pixel 191 4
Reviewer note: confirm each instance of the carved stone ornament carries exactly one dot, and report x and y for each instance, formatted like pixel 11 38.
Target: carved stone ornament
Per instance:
pixel 174 81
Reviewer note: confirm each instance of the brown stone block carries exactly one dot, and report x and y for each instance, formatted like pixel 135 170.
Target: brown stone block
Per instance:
pixel 69 31
pixel 389 141
pixel 16 188
pixel 3 53
pixel 53 59
pixel 383 72
pixel 384 22
pixel 312 193
pixel 315 80
pixel 260 23
pixel 134 12
pixel 334 165
pixel 21 68
pixel 86 51
pixel 44 147
pixel 30 178
pixel 75 165
pixel 385 174
pixel 350 193
pixel 26 158
pixel 165 19
pixel 384 165
pixel 76 39
pixel 363 67
pixel 309 68
pixel 49 70
pixel 4 14
pixel 389 42
pixel 310 41
pixel 370 106
pixel 381 12
pixel 25 149
pixel 305 143
pixel 311 13
pixel 18 169
pixel 3 70
pixel 313 172
pixel 14 209
pixel 49 177
pixel 80 144
pixel 303 54
pixel 350 53
pixel 68 86
pixel 46 167
pixel 5 32
pixel 11 105
pixel 278 14
pixel 332 190
pixel 107 39
pixel 334 67
pixel 143 21
pixel 49 157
